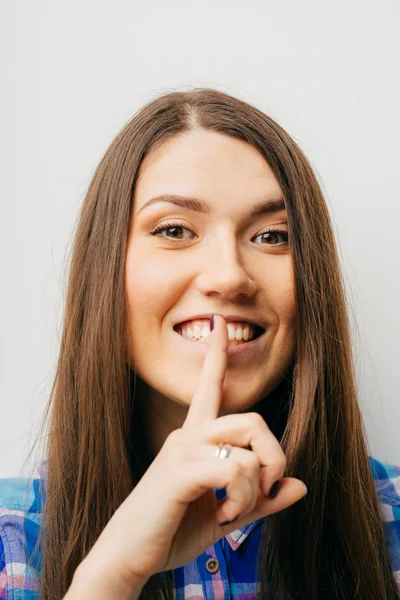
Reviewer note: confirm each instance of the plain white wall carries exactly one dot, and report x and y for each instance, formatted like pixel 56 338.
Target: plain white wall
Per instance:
pixel 73 72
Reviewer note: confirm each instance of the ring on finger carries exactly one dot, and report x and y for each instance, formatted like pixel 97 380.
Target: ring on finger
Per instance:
pixel 223 451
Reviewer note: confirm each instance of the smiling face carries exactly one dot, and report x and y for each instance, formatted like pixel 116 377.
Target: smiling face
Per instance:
pixel 214 255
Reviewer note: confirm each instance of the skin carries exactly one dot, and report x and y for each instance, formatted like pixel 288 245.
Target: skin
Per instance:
pixel 180 515
pixel 220 264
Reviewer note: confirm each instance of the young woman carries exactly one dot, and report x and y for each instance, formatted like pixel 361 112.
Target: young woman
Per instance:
pixel 205 378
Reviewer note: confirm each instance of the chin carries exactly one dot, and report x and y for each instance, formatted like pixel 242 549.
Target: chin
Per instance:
pixel 232 400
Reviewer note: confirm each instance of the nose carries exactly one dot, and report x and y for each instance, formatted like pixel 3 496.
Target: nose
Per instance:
pixel 224 275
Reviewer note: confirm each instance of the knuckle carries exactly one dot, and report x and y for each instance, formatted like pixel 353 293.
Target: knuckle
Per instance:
pixel 281 462
pixel 253 462
pixel 174 437
pixel 280 466
pixel 253 459
pixel 274 472
pixel 235 468
pixel 257 421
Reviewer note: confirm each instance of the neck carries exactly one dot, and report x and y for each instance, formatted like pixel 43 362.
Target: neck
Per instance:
pixel 161 416
pixel 154 417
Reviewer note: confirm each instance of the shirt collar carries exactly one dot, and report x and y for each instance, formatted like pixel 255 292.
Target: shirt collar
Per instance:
pixel 236 538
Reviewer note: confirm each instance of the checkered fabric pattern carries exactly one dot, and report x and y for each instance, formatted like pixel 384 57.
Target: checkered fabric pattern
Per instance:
pixel 224 571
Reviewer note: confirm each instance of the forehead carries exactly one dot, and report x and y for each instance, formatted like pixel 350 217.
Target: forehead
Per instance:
pixel 208 164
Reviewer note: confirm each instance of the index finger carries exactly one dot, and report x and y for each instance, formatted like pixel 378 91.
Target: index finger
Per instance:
pixel 207 398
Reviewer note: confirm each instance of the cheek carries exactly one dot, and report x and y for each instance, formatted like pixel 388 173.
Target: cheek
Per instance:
pixel 143 284
pixel 143 278
pixel 286 305
pixel 151 287
pixel 281 296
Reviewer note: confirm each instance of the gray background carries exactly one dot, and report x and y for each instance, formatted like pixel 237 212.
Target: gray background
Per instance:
pixel 73 72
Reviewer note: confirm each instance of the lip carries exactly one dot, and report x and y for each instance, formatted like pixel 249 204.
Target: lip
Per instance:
pixel 233 351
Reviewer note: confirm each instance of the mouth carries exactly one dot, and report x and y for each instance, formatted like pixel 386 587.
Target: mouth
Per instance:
pixel 240 333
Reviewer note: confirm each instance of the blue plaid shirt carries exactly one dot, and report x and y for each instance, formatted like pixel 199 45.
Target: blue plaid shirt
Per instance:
pixel 226 570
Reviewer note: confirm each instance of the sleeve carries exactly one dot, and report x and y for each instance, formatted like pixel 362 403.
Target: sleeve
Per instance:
pixel 387 480
pixel 19 526
pixel 3 576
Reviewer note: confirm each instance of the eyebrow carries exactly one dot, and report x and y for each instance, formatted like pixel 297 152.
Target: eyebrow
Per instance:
pixel 268 206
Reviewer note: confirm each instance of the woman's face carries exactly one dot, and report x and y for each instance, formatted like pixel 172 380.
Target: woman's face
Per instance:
pixel 214 256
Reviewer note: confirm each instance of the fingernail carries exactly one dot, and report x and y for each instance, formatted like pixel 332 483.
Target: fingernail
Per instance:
pixel 220 493
pixel 212 323
pixel 273 492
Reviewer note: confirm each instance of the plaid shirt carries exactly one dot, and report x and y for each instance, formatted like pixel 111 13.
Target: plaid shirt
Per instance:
pixel 226 570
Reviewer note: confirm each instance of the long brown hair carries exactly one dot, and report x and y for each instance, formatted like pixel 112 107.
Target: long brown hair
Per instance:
pixel 331 543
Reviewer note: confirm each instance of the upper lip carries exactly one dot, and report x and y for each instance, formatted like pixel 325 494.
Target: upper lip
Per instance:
pixel 228 318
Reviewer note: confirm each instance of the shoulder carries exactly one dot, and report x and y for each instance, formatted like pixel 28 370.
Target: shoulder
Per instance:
pixel 21 506
pixel 387 483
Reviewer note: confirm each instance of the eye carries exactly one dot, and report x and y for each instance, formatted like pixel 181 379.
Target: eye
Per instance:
pixel 175 231
pixel 270 237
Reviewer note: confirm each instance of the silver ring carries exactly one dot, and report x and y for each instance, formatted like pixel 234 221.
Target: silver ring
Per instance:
pixel 223 451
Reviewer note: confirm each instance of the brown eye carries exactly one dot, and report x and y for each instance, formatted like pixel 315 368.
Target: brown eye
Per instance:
pixel 270 236
pixel 175 232
pixel 273 237
pixel 172 231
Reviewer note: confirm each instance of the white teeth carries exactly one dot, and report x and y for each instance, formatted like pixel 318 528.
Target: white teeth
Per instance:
pixel 231 331
pixel 200 331
pixel 205 332
pixel 197 332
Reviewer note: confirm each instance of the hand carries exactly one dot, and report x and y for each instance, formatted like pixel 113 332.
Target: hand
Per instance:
pixel 172 515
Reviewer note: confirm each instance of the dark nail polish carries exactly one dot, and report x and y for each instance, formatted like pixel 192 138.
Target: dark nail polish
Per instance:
pixel 220 493
pixel 273 492
pixel 212 323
